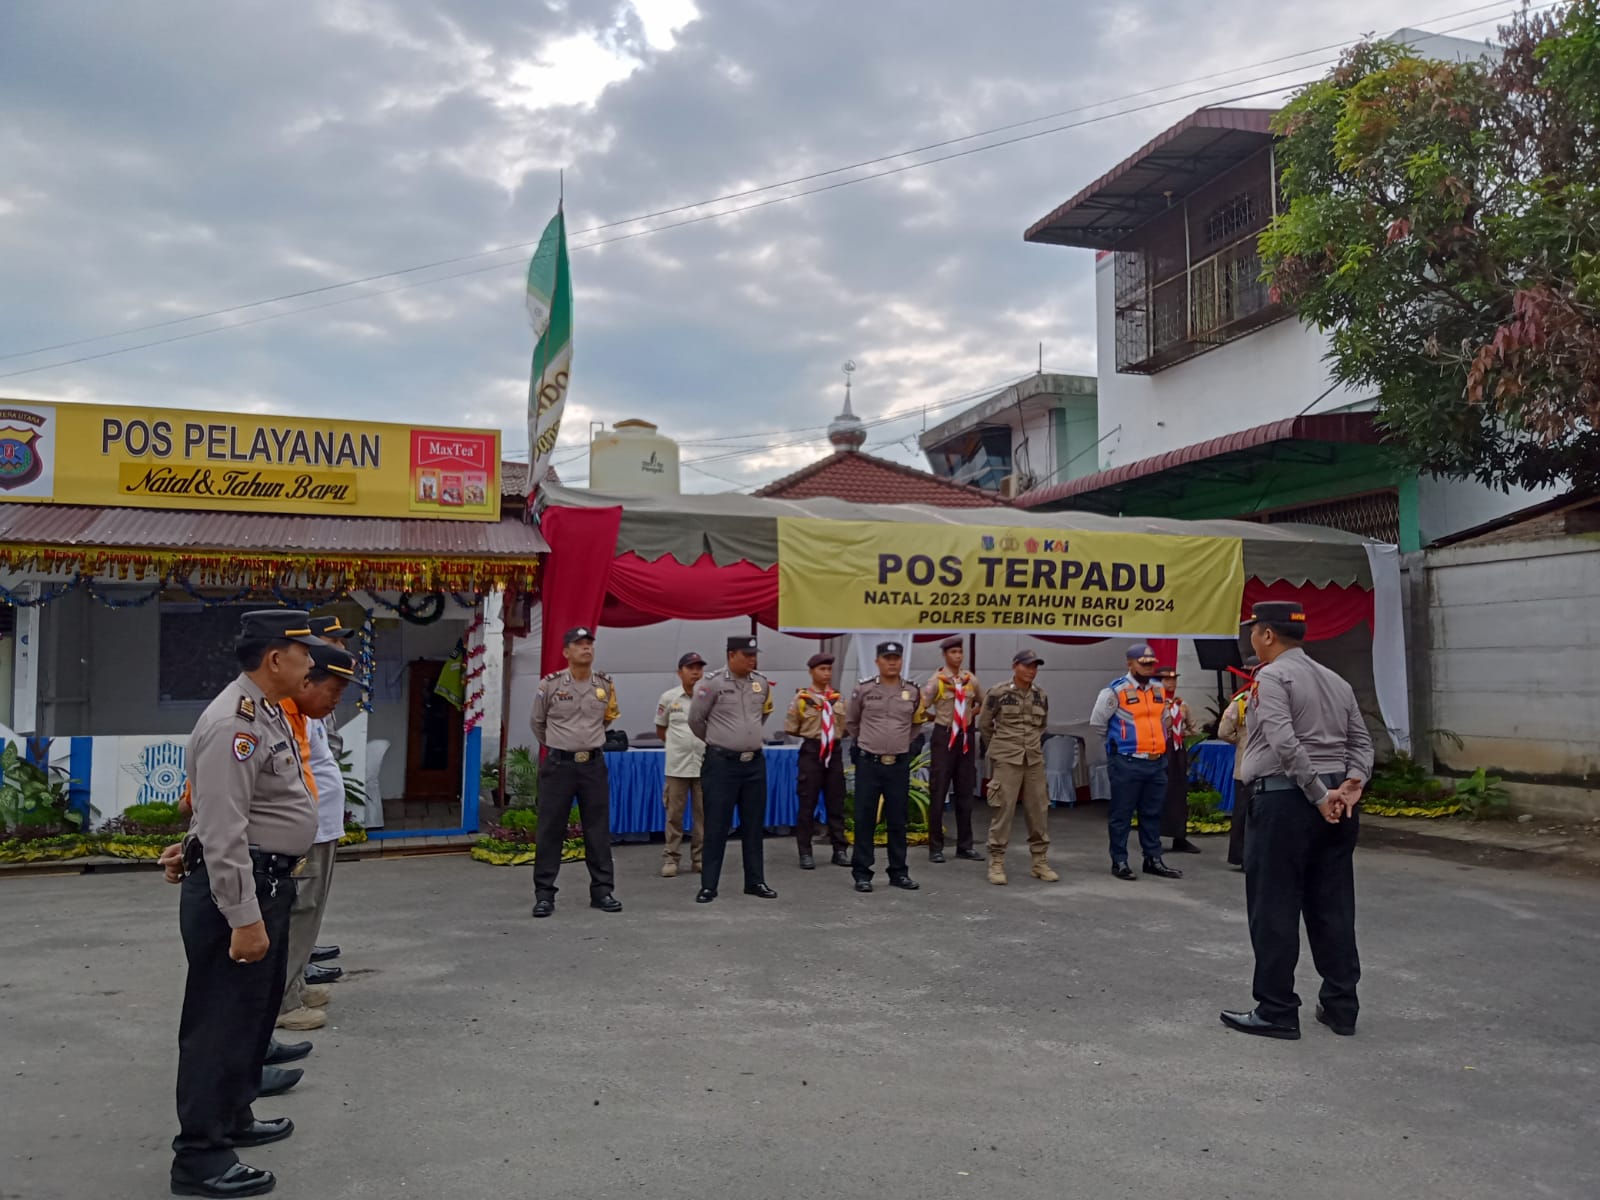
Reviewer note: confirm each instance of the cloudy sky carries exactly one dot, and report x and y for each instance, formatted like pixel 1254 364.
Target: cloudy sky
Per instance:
pixel 165 158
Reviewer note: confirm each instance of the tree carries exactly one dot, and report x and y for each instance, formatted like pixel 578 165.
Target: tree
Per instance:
pixel 1442 221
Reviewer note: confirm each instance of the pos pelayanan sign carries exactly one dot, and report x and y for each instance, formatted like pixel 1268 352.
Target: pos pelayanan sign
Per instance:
pixel 170 458
pixel 838 576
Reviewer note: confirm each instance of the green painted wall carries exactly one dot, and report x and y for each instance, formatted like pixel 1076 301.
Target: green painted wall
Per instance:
pixel 1076 422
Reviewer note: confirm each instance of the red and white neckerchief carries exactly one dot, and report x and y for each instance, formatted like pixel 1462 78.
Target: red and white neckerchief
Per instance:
pixel 1174 723
pixel 958 715
pixel 825 714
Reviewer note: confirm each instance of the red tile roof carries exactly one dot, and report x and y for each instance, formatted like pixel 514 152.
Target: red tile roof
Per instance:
pixel 864 479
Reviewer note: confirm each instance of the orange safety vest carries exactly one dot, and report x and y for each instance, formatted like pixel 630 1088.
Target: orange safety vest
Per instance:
pixel 297 722
pixel 1138 726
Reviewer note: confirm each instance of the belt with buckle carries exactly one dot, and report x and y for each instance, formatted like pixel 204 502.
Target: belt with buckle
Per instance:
pixel 1145 757
pixel 577 756
pixel 1282 783
pixel 887 760
pixel 743 756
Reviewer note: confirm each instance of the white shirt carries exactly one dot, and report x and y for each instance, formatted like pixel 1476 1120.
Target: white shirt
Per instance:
pixel 685 752
pixel 330 784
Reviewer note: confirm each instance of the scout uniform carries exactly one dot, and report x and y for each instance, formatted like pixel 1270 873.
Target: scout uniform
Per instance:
pixel 685 759
pixel 881 716
pixel 1179 725
pixel 1306 738
pixel 953 699
pixel 254 818
pixel 1232 728
pixel 570 716
pixel 1131 715
pixel 816 717
pixel 727 713
pixel 1013 722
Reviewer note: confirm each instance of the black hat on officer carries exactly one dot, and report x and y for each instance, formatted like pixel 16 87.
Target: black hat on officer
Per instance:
pixel 580 633
pixel 277 625
pixel 819 660
pixel 743 642
pixel 691 659
pixel 334 661
pixel 1284 617
pixel 1026 658
pixel 890 650
pixel 954 642
pixel 328 625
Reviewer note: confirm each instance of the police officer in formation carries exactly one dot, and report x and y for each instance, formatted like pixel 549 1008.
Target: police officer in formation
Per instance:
pixel 1307 756
pixel 571 711
pixel 1014 717
pixel 882 716
pixel 1131 715
pixel 817 717
pixel 254 819
pixel 729 710
pixel 953 697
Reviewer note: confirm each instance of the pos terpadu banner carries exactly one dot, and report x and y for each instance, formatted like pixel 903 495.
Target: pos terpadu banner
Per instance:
pixel 838 576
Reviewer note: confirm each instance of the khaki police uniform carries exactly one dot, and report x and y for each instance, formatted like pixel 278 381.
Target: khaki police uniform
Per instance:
pixel 952 757
pixel 1013 722
pixel 882 717
pixel 254 819
pixel 685 755
pixel 814 778
pixel 1306 736
pixel 570 716
pixel 728 713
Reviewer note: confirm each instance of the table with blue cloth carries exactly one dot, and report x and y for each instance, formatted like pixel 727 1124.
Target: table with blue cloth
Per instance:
pixel 1212 763
pixel 639 777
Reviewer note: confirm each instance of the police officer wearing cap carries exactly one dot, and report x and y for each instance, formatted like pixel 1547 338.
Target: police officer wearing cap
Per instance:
pixel 1307 756
pixel 881 716
pixel 952 697
pixel 332 630
pixel 685 756
pixel 1015 714
pixel 571 711
pixel 728 711
pixel 1131 715
pixel 816 717
pixel 254 819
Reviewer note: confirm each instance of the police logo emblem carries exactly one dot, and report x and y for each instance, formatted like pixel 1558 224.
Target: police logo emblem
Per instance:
pixel 905 695
pixel 20 460
pixel 600 693
pixel 755 686
pixel 244 745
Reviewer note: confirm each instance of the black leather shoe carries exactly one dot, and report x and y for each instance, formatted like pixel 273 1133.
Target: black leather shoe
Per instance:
pixel 1123 871
pixel 237 1180
pixel 841 858
pixel 705 896
pixel 1154 866
pixel 1341 1029
pixel 324 953
pixel 760 889
pixel 262 1133
pixel 936 856
pixel 1184 846
pixel 905 883
pixel 317 973
pixel 544 908
pixel 607 903
pixel 1251 1022
pixel 807 863
pixel 275 1081
pixel 279 1053
pixel 969 855
pixel 863 885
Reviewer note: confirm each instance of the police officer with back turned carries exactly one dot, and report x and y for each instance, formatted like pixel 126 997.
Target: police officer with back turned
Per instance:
pixel 571 710
pixel 880 716
pixel 727 713
pixel 1307 756
pixel 254 819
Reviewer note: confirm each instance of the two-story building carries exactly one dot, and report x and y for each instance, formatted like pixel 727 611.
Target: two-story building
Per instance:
pixel 1036 432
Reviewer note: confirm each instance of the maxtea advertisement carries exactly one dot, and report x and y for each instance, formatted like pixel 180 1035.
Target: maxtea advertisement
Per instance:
pixel 173 458
pixel 839 576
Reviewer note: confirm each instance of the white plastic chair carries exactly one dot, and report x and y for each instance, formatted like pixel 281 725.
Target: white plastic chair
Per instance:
pixel 376 749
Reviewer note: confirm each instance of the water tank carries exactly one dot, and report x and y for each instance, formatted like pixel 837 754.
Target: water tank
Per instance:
pixel 631 457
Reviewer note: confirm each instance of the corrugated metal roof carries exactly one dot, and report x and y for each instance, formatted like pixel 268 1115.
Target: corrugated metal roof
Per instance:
pixel 1357 427
pixel 1176 161
pixel 168 529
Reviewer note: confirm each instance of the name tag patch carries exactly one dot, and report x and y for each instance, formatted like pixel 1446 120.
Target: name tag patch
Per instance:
pixel 244 745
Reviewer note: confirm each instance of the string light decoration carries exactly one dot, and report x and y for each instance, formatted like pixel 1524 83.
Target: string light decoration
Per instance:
pixel 472 677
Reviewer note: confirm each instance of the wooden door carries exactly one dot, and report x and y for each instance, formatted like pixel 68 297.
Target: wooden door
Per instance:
pixel 433 737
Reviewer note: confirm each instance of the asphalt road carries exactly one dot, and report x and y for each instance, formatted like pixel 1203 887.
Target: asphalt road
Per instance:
pixel 962 1041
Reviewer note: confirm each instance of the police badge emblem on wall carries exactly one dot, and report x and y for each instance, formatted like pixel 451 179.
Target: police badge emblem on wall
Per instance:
pixel 22 456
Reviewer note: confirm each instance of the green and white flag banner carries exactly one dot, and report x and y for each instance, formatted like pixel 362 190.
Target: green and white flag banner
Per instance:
pixel 550 310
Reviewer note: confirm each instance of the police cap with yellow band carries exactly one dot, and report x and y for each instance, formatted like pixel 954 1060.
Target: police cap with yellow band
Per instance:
pixel 336 662
pixel 1286 616
pixel 328 625
pixel 277 625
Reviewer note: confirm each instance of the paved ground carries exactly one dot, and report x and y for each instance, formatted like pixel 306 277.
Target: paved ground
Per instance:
pixel 963 1041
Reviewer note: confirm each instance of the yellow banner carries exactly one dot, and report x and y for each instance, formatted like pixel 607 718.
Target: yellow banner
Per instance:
pixel 839 576
pixel 170 458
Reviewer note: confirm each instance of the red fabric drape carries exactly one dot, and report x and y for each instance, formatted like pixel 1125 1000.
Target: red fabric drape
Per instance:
pixel 583 543
pixel 1330 611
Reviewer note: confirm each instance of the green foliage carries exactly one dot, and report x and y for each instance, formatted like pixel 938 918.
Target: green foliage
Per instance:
pixel 31 796
pixel 1442 221
pixel 520 818
pixel 1482 796
pixel 521 785
pixel 153 814
pixel 1205 803
pixel 355 786
pixel 1401 782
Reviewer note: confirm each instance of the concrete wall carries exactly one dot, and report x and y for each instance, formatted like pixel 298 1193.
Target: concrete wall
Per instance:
pixel 1446 506
pixel 1514 638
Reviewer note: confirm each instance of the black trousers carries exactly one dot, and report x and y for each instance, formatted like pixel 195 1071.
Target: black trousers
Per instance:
pixel 1175 812
pixel 1137 785
pixel 1237 824
pixel 825 781
pixel 229 1010
pixel 732 787
pixel 948 766
pixel 1296 866
pixel 561 781
pixel 891 781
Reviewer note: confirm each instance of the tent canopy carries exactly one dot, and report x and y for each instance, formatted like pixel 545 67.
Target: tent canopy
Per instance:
pixel 733 528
